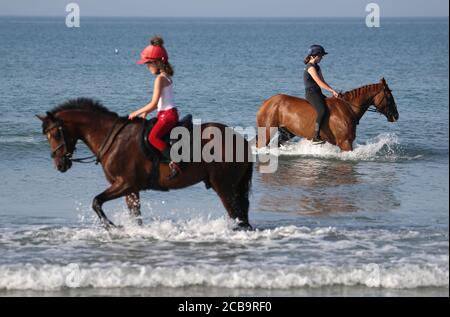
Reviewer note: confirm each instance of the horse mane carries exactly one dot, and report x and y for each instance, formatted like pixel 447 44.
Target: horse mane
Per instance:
pixel 84 104
pixel 351 94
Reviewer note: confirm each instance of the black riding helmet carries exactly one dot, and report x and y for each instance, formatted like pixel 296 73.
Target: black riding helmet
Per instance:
pixel 316 50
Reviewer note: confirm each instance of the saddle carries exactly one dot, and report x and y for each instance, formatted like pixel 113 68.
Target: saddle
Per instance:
pixel 153 154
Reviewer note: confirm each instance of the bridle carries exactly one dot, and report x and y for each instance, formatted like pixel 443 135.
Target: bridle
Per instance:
pixel 63 143
pixel 369 109
pixel 88 159
pixel 388 112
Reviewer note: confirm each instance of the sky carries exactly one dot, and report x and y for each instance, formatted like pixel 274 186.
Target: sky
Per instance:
pixel 226 8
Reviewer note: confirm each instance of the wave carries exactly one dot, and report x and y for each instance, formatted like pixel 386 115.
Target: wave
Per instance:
pixel 120 275
pixel 281 257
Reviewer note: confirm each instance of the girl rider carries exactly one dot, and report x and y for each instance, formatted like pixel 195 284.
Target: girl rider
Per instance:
pixel 157 60
pixel 314 81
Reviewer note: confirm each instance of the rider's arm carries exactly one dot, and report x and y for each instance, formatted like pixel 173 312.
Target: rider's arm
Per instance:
pixel 153 103
pixel 318 78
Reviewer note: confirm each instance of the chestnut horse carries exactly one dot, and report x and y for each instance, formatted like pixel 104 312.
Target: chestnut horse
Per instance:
pixel 116 144
pixel 296 117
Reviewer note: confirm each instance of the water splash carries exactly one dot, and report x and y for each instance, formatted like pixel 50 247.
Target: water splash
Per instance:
pixel 180 253
pixel 384 147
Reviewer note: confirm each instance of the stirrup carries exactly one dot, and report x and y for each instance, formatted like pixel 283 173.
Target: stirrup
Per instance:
pixel 317 140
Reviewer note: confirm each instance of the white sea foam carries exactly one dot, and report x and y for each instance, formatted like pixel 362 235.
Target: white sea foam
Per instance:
pixel 294 256
pixel 385 146
pixel 200 230
pixel 323 240
pixel 55 277
pixel 194 230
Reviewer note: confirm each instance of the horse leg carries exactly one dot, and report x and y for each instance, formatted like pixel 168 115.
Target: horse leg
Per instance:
pixel 346 146
pixel 283 136
pixel 242 206
pixel 116 190
pixel 263 141
pixel 233 206
pixel 235 203
pixel 134 206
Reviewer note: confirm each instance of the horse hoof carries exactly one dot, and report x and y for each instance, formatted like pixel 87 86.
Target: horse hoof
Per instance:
pixel 243 227
pixel 108 225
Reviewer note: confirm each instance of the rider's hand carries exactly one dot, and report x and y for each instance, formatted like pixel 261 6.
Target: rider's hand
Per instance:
pixel 143 115
pixel 335 94
pixel 132 115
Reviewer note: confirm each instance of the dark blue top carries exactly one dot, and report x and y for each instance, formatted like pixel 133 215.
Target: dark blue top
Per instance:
pixel 310 83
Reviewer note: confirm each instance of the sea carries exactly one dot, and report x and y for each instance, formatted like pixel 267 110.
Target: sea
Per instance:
pixel 371 222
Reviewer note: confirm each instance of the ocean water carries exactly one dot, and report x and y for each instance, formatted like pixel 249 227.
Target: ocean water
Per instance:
pixel 373 222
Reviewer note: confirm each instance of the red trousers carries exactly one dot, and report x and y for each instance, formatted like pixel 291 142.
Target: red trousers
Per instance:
pixel 167 119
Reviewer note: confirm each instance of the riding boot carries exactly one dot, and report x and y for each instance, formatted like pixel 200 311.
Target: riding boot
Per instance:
pixel 174 168
pixel 317 139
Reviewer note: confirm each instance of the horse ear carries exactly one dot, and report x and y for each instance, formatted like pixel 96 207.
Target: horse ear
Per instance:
pixel 50 116
pixel 383 81
pixel 40 117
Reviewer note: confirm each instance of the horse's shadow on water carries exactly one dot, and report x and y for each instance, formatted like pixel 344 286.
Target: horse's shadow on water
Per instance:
pixel 319 187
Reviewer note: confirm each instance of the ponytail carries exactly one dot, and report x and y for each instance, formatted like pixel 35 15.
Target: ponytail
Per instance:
pixel 307 59
pixel 157 41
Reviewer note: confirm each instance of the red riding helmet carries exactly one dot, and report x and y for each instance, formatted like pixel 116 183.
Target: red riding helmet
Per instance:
pixel 153 52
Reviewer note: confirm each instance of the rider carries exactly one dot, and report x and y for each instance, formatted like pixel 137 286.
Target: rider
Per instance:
pixel 313 79
pixel 157 60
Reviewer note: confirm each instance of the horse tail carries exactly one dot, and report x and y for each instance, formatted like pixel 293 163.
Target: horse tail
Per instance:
pixel 266 112
pixel 266 118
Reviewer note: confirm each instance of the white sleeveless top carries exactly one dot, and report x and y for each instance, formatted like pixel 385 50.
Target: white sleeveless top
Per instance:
pixel 166 99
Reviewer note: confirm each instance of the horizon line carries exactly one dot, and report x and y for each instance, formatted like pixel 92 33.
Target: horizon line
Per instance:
pixel 222 17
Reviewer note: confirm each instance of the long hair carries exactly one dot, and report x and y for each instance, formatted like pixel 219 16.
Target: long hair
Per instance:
pixel 165 67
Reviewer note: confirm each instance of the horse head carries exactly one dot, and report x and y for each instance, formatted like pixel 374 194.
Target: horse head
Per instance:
pixel 385 103
pixel 62 145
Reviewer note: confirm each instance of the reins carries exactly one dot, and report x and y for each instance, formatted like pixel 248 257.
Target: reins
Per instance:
pixel 369 109
pixel 106 144
pixel 110 136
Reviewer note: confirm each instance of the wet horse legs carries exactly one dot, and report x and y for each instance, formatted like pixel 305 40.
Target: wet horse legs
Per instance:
pixel 134 206
pixel 236 204
pixel 116 190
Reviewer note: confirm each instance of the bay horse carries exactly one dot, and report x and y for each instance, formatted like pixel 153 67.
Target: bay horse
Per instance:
pixel 116 143
pixel 296 117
